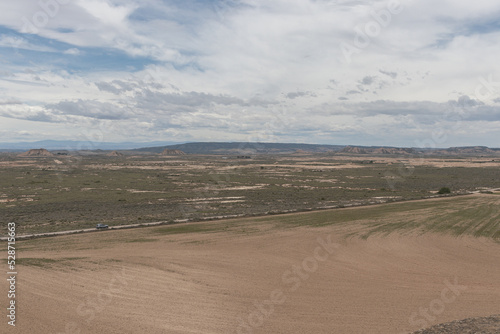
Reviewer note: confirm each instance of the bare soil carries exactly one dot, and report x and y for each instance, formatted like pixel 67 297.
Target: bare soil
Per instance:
pixel 262 276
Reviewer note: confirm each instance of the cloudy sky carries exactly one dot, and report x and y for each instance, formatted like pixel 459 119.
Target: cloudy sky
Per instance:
pixel 401 73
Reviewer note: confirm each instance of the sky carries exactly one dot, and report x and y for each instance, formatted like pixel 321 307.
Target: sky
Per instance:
pixel 384 72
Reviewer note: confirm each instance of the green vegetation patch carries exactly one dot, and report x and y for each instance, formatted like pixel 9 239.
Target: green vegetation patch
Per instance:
pixel 474 216
pixel 45 262
pixel 340 216
pixel 444 190
pixel 142 240
pixel 477 217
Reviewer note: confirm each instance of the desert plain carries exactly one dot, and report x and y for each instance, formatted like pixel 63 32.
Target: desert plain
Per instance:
pixel 352 255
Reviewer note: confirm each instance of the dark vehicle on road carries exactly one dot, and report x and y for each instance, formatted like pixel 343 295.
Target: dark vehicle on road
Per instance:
pixel 101 226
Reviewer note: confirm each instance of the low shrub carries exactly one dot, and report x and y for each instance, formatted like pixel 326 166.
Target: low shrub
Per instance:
pixel 444 190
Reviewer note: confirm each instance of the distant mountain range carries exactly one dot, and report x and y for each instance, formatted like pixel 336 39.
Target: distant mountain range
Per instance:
pixel 466 150
pixel 239 148
pixel 242 148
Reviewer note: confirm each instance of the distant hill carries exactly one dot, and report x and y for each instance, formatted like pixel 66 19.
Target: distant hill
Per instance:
pixel 172 152
pixel 466 150
pixel 246 149
pixel 379 150
pixel 353 149
pixel 115 154
pixel 471 150
pixel 241 148
pixel 40 152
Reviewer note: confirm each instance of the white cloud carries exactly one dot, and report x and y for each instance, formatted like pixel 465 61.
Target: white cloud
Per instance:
pixel 233 65
pixel 15 43
pixel 72 51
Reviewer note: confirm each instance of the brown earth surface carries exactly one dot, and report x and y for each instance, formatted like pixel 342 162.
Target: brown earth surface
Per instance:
pixel 250 276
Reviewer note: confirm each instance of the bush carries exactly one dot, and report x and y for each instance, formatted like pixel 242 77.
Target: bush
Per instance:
pixel 444 190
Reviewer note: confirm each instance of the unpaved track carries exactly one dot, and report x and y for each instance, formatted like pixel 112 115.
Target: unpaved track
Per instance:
pixel 206 282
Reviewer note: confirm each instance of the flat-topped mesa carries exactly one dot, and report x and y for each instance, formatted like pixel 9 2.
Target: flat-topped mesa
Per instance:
pixel 172 152
pixel 40 152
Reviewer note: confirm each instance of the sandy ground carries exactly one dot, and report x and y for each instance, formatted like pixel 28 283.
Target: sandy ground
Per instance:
pixel 298 280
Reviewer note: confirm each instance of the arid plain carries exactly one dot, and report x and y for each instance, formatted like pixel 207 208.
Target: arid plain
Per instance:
pixel 393 267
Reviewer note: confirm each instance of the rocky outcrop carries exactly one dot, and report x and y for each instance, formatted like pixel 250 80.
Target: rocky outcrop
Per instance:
pixel 353 149
pixel 172 152
pixel 40 152
pixel 115 154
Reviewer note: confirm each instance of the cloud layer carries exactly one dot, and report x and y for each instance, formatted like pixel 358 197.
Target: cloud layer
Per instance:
pixel 319 71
